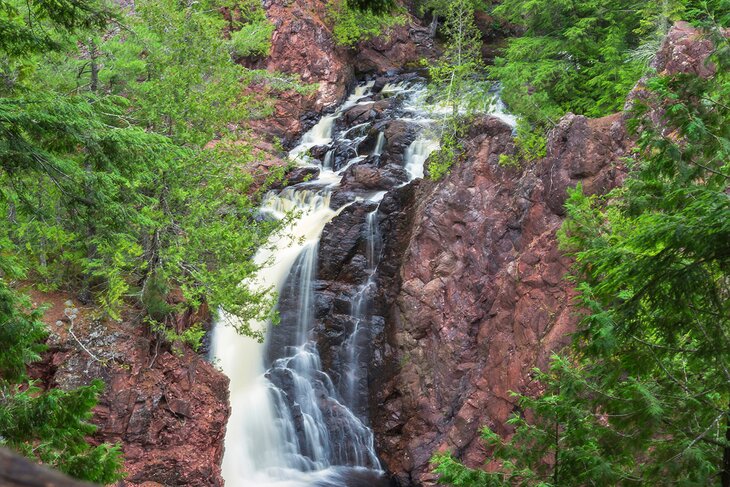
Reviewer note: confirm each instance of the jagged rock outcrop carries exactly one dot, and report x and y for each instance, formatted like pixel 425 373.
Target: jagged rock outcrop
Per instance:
pixel 167 408
pixel 303 44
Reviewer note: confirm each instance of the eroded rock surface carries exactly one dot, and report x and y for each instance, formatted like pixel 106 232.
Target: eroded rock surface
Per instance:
pixel 480 297
pixel 303 44
pixel 168 409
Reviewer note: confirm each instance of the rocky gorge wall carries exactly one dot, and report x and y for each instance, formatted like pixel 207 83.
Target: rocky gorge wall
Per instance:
pixel 475 296
pixel 470 295
pixel 480 296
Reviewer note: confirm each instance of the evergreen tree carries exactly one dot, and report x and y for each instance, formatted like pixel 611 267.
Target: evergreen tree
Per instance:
pixel 584 56
pixel 98 200
pixel 50 426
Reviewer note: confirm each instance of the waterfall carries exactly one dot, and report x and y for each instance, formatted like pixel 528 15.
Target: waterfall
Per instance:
pixel 379 144
pixel 352 390
pixel 290 424
pixel 417 153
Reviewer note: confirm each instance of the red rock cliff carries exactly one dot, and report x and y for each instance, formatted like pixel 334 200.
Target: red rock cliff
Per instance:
pixel 482 299
pixel 479 298
pixel 303 44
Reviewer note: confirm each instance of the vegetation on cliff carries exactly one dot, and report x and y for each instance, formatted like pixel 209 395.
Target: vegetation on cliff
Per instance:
pixel 642 395
pixel 453 80
pixel 354 22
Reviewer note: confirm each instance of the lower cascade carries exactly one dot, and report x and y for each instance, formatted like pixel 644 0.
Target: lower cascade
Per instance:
pixel 293 423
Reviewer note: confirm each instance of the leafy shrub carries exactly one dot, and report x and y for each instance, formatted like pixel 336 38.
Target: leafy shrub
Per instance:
pixel 529 146
pixel 352 25
pixel 253 39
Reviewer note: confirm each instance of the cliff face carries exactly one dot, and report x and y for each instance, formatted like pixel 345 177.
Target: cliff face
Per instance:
pixel 478 298
pixel 167 408
pixel 481 298
pixel 303 44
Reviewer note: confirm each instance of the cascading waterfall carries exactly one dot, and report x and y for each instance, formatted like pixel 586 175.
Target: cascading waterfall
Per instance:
pixel 352 390
pixel 290 425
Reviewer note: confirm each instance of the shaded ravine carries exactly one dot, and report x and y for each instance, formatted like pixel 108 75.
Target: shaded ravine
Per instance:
pixel 293 423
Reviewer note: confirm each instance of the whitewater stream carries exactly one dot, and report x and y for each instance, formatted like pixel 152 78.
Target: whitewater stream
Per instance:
pixel 291 425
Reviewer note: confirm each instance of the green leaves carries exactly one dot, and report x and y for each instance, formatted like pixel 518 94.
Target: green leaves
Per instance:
pixel 582 57
pixel 361 20
pixel 455 83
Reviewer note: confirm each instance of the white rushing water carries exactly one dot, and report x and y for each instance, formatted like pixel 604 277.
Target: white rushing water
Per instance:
pixel 290 426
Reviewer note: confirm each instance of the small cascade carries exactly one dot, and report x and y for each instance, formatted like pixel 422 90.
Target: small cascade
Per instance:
pixel 294 422
pixel 353 390
pixel 417 153
pixel 379 144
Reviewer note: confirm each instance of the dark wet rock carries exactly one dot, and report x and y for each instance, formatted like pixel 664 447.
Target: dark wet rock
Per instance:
pixel 319 151
pixel 340 243
pixel 399 134
pixel 366 112
pixel 297 175
pixel 369 177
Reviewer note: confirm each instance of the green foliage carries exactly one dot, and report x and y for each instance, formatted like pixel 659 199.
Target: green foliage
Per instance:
pixel 253 39
pixel 450 147
pixel 104 178
pixel 439 8
pixel 49 426
pixel 251 36
pixel 529 146
pixel 643 395
pixel 352 24
pixel 454 74
pixel 190 336
pixel 38 25
pixel 109 189
pixel 375 6
pixel 175 68
pixel 455 83
pixel 585 56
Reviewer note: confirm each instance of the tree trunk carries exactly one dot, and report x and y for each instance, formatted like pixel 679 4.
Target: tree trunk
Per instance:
pixel 17 471
pixel 725 475
pixel 94 83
